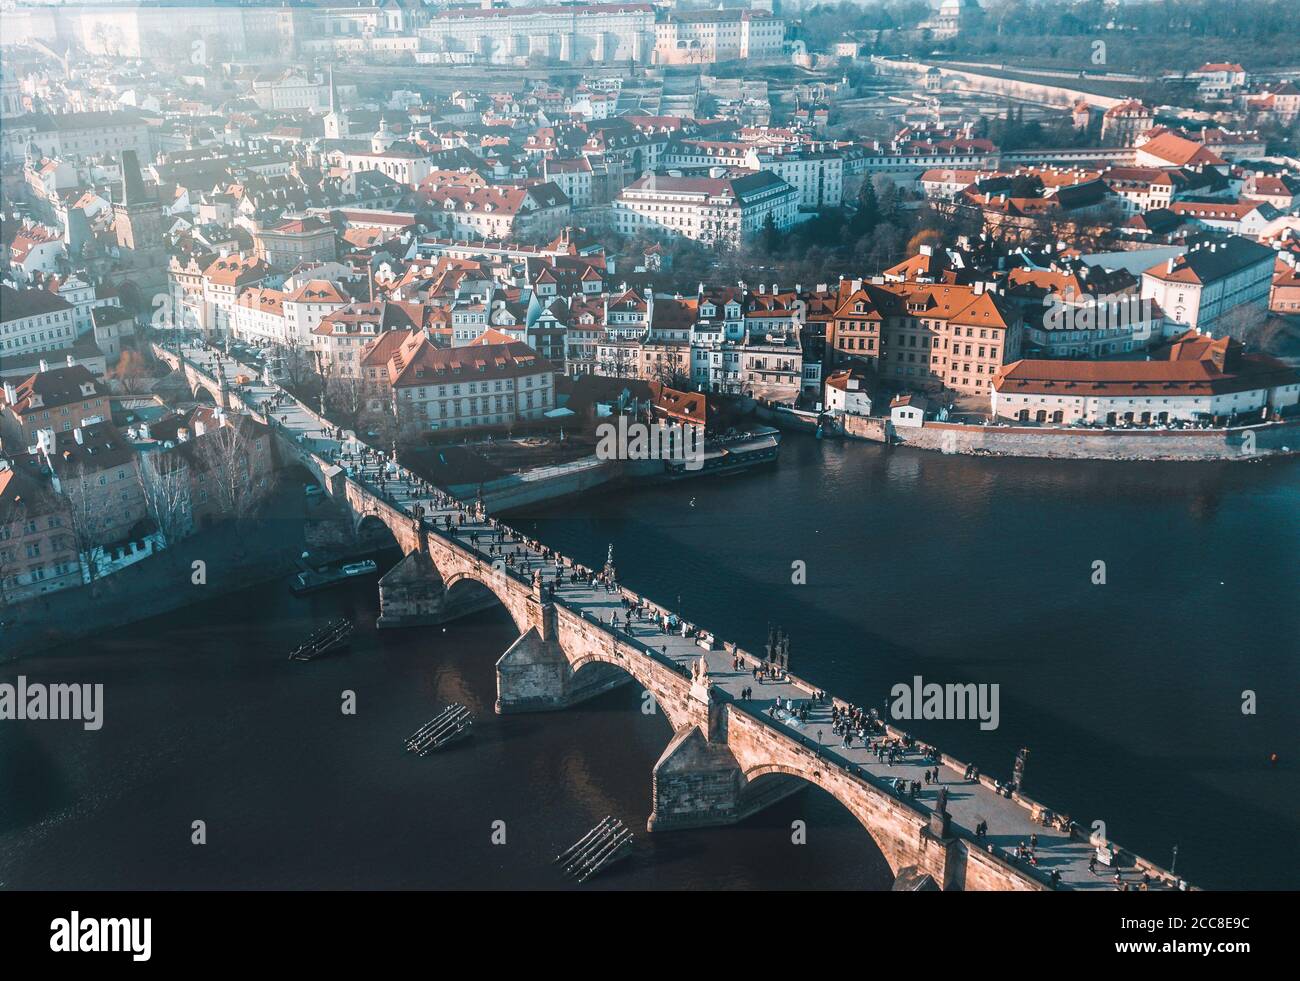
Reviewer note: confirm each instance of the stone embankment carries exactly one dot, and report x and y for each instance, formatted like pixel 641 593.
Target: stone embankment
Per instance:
pixel 1243 443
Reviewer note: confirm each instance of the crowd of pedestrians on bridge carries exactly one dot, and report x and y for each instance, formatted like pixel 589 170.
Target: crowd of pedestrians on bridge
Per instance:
pixel 519 554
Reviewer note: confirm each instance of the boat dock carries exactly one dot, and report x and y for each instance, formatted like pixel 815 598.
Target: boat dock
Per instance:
pixel 449 725
pixel 332 636
pixel 602 846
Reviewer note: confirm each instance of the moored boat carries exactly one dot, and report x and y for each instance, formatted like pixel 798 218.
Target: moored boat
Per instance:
pixel 310 580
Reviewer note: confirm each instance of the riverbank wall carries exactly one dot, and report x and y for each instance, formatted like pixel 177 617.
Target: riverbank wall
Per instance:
pixel 1003 86
pixel 786 418
pixel 1241 443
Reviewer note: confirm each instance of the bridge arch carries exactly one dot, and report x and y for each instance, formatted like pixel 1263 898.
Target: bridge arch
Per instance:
pixel 371 529
pixel 596 671
pixel 586 644
pixel 892 830
pixel 467 587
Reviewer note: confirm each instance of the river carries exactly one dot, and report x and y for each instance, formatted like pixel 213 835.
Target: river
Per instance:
pixel 1128 693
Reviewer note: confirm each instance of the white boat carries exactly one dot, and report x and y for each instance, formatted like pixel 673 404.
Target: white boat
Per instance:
pixel 359 568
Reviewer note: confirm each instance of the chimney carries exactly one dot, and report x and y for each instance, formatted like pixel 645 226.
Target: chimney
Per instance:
pixel 199 427
pixel 79 436
pixel 72 362
pixel 11 396
pixel 45 366
pixel 183 435
pixel 1169 266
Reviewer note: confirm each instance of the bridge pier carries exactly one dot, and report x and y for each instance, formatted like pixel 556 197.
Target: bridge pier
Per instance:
pixel 412 594
pixel 533 675
pixel 696 784
pixel 699 784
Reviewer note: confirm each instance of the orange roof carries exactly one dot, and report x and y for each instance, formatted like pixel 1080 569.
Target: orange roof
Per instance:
pixel 1196 365
pixel 317 291
pixel 491 336
pixel 236 270
pixel 379 351
pixel 418 362
pixel 266 300
pixel 1180 151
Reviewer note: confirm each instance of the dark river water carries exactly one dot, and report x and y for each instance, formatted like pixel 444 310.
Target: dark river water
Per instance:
pixel 1128 694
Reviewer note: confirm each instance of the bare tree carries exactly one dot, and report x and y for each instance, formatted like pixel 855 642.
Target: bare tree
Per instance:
pixel 1251 325
pixel 621 365
pixel 13 517
pixel 671 372
pixel 297 363
pixel 345 399
pixel 85 515
pixel 227 454
pixel 133 373
pixel 165 482
pixel 381 420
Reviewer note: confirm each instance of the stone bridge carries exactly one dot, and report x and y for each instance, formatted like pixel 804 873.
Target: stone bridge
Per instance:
pixel 729 756
pixel 198 380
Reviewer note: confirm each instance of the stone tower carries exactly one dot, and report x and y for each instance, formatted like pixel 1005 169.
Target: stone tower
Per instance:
pixel 137 218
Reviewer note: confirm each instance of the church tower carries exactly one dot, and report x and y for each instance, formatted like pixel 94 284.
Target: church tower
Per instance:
pixel 336 120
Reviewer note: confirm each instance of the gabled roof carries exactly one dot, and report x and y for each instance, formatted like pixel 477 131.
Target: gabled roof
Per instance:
pixel 318 291
pixel 57 387
pixel 1196 365
pixel 17 304
pixel 1207 262
pixel 1179 150
pixel 417 362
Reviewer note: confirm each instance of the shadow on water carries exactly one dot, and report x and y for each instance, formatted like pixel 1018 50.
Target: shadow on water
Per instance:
pixel 207 720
